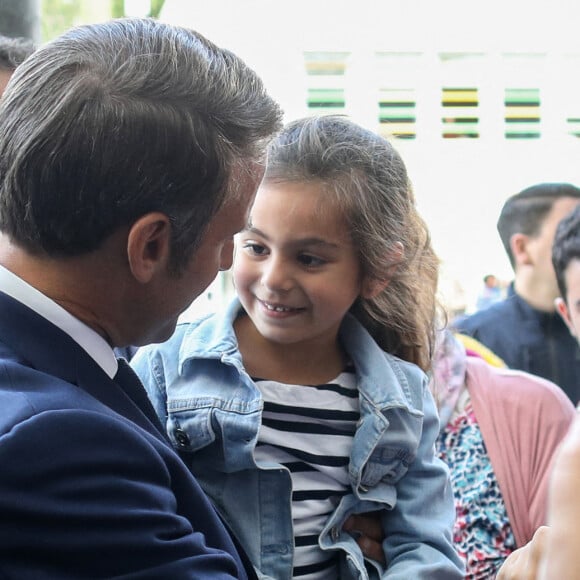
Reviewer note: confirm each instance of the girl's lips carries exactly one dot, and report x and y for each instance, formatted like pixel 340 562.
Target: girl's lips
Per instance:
pixel 279 308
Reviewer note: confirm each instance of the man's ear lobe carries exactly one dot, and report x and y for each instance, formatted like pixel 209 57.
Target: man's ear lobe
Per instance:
pixel 149 246
pixel 565 314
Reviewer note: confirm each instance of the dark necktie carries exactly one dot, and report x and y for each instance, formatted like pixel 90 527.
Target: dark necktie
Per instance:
pixel 134 389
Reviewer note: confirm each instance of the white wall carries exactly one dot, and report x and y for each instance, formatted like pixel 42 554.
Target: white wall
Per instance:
pixel 460 184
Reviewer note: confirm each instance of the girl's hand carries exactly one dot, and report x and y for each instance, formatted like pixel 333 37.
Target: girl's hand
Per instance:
pixel 368 533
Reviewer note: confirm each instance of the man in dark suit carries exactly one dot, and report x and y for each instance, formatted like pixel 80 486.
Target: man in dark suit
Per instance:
pixel 130 152
pixel 525 330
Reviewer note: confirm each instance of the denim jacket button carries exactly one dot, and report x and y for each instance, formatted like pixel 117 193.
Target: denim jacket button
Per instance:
pixel 335 533
pixel 181 438
pixel 363 489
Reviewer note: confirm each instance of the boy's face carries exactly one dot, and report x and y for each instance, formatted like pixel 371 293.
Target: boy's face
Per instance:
pixel 4 78
pixel 570 308
pixel 539 247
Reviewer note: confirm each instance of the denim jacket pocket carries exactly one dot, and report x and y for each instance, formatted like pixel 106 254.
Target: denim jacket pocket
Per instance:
pixel 395 450
pixel 385 465
pixel 190 430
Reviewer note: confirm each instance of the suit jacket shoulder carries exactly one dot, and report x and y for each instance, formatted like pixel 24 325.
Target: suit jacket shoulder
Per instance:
pixel 89 488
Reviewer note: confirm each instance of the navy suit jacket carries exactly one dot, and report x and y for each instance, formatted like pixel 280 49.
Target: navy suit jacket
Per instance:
pixel 528 340
pixel 89 486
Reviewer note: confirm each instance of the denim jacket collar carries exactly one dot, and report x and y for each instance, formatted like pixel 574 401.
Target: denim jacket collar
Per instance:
pixel 214 337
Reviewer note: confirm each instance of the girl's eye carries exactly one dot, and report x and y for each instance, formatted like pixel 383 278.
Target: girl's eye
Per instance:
pixel 255 249
pixel 310 261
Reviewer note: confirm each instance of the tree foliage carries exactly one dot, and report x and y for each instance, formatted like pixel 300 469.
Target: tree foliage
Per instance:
pixel 117 8
pixel 156 6
pixel 59 15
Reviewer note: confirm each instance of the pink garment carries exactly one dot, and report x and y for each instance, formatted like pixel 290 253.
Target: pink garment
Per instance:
pixel 523 419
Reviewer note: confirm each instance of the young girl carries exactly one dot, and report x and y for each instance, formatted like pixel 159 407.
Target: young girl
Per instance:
pixel 305 401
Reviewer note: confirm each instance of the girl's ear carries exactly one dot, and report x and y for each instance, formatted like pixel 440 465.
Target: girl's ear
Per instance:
pixel 372 287
pixel 149 246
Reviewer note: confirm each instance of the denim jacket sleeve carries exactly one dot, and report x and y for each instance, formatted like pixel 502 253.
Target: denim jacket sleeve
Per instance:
pixel 425 512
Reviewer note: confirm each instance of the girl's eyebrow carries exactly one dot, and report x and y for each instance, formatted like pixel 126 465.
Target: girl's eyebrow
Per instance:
pixel 310 241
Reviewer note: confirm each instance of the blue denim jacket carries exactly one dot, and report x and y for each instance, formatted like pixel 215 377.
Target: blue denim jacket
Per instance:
pixel 212 410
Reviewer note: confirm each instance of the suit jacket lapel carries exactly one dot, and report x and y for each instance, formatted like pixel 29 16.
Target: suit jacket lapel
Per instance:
pixel 45 347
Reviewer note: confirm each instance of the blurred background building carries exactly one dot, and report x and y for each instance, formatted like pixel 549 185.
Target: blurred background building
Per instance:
pixel 481 98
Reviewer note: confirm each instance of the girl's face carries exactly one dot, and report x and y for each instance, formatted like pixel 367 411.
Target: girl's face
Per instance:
pixel 295 269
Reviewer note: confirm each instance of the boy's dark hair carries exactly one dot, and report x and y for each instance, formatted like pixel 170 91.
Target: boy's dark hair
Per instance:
pixel 524 213
pixel 566 247
pixel 13 52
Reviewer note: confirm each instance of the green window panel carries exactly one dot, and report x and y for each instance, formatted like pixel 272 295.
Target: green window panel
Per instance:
pixel 460 112
pixel 522 113
pixel 325 72
pixel 461 128
pixel 397 113
pixel 573 124
pixel 325 63
pixel 326 100
pixel 522 97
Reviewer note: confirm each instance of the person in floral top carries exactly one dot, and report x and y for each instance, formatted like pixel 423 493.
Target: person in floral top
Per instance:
pixel 499 430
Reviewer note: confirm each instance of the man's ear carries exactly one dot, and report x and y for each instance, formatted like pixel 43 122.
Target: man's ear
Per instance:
pixel 372 287
pixel 149 246
pixel 519 247
pixel 565 314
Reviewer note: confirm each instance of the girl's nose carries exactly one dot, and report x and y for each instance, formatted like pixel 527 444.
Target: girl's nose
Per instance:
pixel 276 274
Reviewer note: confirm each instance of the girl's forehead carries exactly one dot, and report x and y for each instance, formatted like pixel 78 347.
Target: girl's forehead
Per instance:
pixel 313 186
pixel 295 200
pixel 316 195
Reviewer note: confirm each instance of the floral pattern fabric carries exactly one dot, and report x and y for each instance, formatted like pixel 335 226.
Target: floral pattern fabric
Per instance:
pixel 482 534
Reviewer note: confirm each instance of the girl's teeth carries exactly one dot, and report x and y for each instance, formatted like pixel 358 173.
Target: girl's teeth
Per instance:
pixel 277 308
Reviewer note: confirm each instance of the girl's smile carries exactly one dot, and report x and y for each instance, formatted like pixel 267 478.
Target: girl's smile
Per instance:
pixel 279 309
pixel 296 270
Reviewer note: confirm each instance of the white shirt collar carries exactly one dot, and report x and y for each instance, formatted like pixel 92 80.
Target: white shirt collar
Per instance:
pixel 95 345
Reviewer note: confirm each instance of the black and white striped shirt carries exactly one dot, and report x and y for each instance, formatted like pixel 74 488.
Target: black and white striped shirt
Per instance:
pixel 309 430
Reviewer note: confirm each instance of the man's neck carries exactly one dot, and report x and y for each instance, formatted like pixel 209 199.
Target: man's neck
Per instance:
pixel 537 294
pixel 65 281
